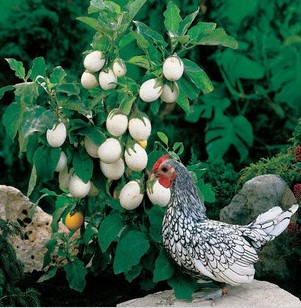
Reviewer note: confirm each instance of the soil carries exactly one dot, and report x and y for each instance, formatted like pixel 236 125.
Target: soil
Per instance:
pixel 100 291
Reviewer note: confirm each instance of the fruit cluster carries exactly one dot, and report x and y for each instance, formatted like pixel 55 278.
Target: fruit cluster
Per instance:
pixel 107 78
pixel 152 89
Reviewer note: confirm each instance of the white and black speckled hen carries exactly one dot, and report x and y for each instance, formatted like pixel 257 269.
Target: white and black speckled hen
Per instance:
pixel 209 248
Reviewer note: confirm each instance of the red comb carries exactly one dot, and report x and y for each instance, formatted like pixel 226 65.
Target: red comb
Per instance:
pixel 159 162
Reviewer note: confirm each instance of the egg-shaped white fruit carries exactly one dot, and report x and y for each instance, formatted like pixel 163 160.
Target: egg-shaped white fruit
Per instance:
pixel 158 194
pixel 140 129
pixel 77 187
pixel 91 147
pixel 136 158
pixel 107 80
pixel 110 151
pixel 149 90
pixel 88 81
pixel 62 163
pixel 119 67
pixel 94 61
pixel 57 135
pixel 130 196
pixel 116 123
pixel 173 68
pixel 113 171
pixel 169 95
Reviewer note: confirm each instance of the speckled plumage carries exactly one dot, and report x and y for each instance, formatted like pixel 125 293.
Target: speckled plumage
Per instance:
pixel 207 248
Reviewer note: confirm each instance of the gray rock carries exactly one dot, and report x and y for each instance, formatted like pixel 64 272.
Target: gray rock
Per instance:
pixel 35 226
pixel 255 294
pixel 257 196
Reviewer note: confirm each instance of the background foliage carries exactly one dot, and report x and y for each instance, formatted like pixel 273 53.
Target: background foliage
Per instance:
pixel 251 114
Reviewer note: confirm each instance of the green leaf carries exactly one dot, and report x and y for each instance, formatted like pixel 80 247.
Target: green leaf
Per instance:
pixel 109 228
pixel 198 76
pixel 133 273
pixel 187 22
pixel 12 119
pixel 199 30
pixel 58 75
pixel 163 138
pixel 178 147
pixel 141 61
pixel 127 103
pixel 145 30
pixel 17 66
pixel 164 268
pixel 27 91
pixel 5 89
pixel 172 17
pixel 68 88
pixel 83 165
pixel 183 285
pixel 38 68
pixel 183 102
pixel 188 87
pixel 51 246
pixel 155 216
pixel 223 132
pixel 218 37
pixel 76 274
pixel 45 160
pixel 129 251
pixel 133 7
pixel 49 274
pixel 90 21
pixel 32 181
pixel 61 204
pixel 36 119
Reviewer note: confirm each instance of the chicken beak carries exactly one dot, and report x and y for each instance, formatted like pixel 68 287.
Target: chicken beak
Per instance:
pixel 152 176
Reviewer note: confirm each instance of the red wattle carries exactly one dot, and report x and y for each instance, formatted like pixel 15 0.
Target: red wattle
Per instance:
pixel 165 182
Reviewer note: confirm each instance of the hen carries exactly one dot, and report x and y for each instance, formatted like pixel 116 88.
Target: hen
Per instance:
pixel 208 248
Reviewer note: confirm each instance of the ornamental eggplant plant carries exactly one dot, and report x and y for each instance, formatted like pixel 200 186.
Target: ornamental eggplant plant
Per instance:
pixel 89 139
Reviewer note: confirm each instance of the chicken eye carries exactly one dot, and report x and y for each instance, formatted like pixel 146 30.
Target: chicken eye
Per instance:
pixel 164 169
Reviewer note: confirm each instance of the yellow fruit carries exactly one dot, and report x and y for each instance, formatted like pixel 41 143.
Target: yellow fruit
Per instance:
pixel 143 143
pixel 74 221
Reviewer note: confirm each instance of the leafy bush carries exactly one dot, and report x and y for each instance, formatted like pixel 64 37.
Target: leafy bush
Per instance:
pixel 53 113
pixel 255 105
pixel 11 273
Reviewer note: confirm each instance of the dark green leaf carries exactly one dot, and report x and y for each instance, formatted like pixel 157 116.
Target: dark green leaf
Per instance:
pixel 198 76
pixel 141 41
pixel 61 204
pixel 183 102
pixel 32 181
pixel 12 119
pixel 38 68
pixel 172 17
pixel 155 216
pixel 83 165
pixel 76 274
pixel 133 273
pixel 188 87
pixel 164 268
pixel 17 66
pixel 109 228
pixel 130 249
pixel 224 132
pixel 183 285
pixel 45 160
pixel 50 245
